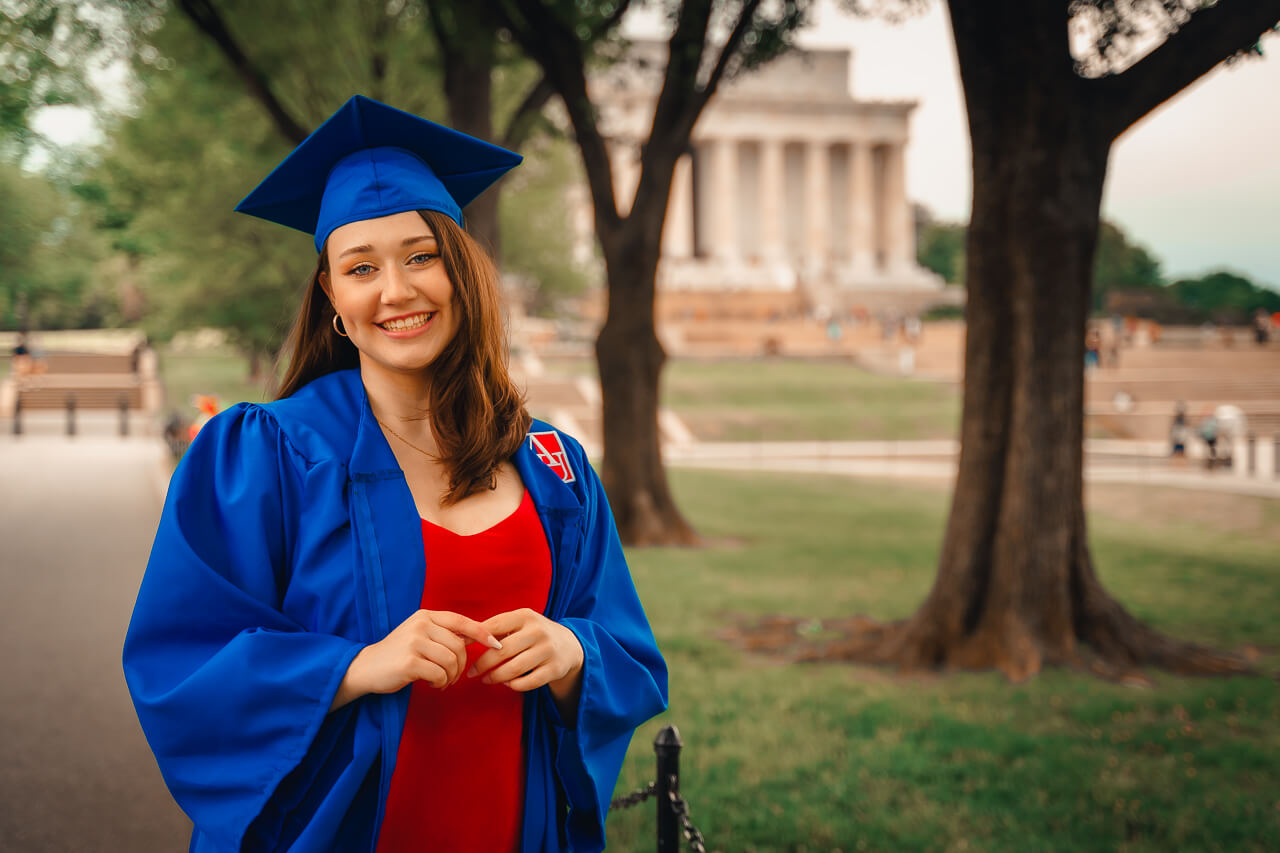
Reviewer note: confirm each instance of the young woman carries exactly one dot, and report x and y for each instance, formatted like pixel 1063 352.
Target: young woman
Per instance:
pixel 388 611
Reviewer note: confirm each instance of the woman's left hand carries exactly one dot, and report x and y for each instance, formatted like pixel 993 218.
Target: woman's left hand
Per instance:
pixel 535 651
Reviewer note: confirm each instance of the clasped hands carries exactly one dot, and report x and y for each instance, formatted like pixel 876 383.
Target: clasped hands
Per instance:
pixel 525 651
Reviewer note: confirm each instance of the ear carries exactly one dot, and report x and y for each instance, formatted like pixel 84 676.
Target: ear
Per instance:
pixel 322 278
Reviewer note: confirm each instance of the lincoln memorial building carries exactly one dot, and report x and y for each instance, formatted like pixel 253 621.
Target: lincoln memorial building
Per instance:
pixel 790 184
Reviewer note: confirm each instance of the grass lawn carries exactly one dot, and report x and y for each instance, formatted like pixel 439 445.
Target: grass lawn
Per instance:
pixel 824 757
pixel 792 399
pixel 221 372
pixel 758 400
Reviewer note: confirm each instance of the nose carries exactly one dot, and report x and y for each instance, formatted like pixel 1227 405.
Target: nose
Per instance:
pixel 395 286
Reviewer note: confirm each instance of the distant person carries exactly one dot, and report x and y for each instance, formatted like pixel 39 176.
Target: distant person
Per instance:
pixel 135 355
pixel 888 327
pixel 1092 349
pixel 1113 339
pixel 24 362
pixel 913 328
pixel 1209 434
pixel 388 611
pixel 1130 330
pixel 1261 327
pixel 1179 432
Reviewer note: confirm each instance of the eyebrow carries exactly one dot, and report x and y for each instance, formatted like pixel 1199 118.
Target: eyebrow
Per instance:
pixel 408 241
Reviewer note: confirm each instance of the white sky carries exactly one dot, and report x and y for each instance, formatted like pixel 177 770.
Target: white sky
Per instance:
pixel 1197 181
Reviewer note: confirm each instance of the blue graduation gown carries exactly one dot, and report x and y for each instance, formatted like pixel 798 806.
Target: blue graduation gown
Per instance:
pixel 289 541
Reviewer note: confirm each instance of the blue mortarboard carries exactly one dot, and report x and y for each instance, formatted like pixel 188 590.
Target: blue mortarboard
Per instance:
pixel 370 160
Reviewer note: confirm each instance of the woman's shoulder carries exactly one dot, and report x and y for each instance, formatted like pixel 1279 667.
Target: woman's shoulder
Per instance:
pixel 545 440
pixel 317 422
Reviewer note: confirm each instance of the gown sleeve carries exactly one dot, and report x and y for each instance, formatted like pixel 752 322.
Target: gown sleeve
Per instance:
pixel 231 693
pixel 624 677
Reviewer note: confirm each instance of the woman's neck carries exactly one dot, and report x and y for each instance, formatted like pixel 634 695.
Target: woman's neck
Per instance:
pixel 401 400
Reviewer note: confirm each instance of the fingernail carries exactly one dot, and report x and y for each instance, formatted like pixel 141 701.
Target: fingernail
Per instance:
pixel 471 673
pixel 494 644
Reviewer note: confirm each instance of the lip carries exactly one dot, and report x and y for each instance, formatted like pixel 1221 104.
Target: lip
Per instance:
pixel 408 333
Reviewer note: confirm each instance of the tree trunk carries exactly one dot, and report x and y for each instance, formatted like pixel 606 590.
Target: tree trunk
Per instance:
pixel 630 359
pixel 468 53
pixel 255 365
pixel 1016 587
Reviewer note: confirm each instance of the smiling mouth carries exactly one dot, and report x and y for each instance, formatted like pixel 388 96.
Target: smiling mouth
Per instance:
pixel 405 324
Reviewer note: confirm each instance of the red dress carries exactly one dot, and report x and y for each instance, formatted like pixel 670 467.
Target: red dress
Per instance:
pixel 458 784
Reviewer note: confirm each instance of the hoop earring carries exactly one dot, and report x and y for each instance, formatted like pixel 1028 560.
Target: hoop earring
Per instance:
pixel 340 331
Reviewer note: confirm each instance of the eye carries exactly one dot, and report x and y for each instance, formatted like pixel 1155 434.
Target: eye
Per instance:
pixel 360 270
pixel 423 258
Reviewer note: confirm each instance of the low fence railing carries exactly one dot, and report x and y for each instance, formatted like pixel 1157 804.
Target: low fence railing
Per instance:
pixel 673 819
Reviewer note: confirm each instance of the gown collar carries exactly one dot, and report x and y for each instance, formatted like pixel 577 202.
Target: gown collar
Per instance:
pixel 372 458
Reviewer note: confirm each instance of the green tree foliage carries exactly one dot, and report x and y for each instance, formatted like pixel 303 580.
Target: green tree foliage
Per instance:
pixel 51 51
pixel 941 249
pixel 538 246
pixel 164 193
pixel 1118 263
pixel 199 140
pixel 1121 265
pixel 1224 296
pixel 47 258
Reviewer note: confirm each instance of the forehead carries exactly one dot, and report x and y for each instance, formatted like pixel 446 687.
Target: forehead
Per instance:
pixel 382 232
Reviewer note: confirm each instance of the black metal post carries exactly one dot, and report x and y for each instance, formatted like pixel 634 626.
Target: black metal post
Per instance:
pixel 1251 455
pixel 17 415
pixel 71 414
pixel 667 745
pixel 124 415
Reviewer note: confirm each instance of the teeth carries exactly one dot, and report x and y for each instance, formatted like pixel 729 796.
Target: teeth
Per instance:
pixel 407 323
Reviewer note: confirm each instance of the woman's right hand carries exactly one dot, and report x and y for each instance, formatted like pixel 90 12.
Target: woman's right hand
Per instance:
pixel 430 646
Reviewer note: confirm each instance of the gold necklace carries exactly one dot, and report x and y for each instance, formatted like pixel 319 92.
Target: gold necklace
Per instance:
pixel 430 456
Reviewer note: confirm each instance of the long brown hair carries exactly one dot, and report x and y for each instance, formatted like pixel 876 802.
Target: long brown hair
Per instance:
pixel 476 412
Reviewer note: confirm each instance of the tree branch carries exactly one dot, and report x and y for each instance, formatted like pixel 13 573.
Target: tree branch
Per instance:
pixel 444 37
pixel 603 28
pixel 1213 34
pixel 677 101
pixel 379 28
pixel 521 123
pixel 731 45
pixel 205 16
pixel 558 51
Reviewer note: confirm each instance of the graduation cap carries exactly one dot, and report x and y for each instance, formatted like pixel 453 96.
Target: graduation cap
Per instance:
pixel 370 160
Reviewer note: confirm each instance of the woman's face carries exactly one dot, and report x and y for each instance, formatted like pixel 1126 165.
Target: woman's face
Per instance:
pixel 389 286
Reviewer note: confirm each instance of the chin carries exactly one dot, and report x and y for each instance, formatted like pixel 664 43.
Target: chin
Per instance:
pixel 401 363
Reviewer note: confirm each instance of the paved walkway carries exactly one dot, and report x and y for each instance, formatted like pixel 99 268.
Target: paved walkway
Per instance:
pixel 76 521
pixel 1132 462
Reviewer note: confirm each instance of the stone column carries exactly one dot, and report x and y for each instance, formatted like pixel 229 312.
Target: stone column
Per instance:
pixel 722 199
pixel 817 206
pixel 771 202
pixel 677 230
pixel 899 250
pixel 862 250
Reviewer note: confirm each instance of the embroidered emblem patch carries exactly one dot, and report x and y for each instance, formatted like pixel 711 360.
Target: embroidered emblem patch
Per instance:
pixel 549 449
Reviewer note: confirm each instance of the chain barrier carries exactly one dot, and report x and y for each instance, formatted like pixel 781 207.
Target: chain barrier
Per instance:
pixel 692 834
pixel 635 798
pixel 673 809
